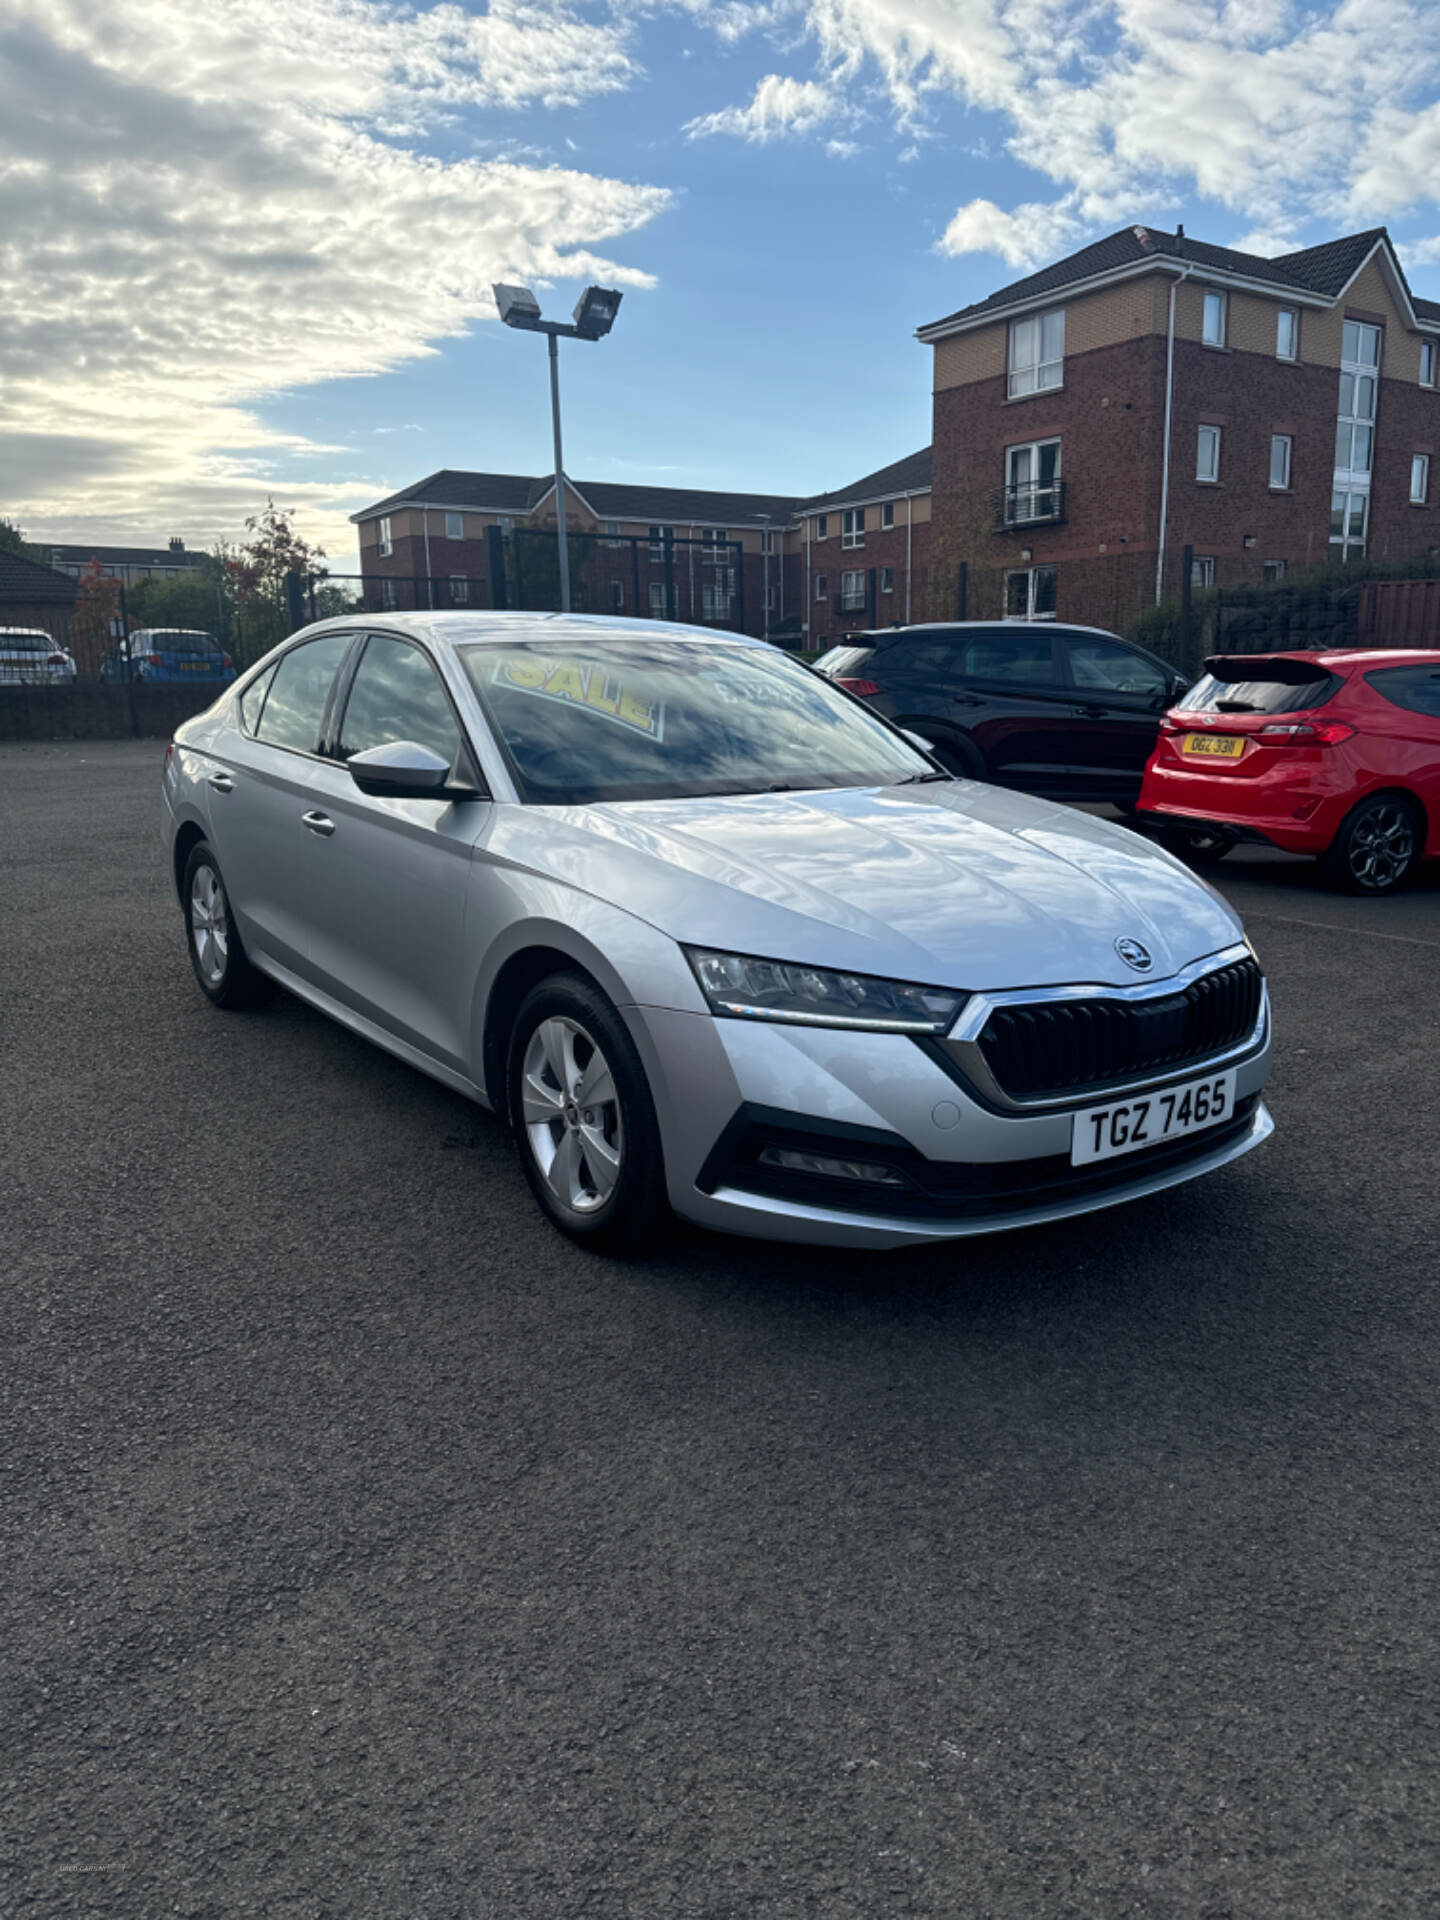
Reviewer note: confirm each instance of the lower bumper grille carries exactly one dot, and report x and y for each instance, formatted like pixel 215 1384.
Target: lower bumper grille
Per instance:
pixel 1073 1046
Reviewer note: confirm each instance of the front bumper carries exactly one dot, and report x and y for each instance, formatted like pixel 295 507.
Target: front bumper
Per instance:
pixel 721 1085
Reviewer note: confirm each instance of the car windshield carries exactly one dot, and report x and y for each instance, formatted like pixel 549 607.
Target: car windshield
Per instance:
pixel 584 721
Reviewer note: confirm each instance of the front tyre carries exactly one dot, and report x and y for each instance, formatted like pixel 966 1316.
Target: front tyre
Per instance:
pixel 1377 845
pixel 584 1118
pixel 217 954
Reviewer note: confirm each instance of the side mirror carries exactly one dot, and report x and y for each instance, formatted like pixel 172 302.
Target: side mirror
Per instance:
pixel 400 770
pixel 918 740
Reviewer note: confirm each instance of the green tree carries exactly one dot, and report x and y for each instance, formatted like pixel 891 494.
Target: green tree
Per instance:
pixel 273 550
pixel 12 540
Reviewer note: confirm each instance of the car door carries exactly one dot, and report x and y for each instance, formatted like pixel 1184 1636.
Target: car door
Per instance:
pixel 260 793
pixel 392 882
pixel 1119 694
pixel 1008 691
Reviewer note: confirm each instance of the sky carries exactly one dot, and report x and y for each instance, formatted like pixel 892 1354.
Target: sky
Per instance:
pixel 246 249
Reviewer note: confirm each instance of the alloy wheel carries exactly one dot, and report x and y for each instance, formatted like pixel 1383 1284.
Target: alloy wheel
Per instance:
pixel 1382 845
pixel 571 1114
pixel 209 924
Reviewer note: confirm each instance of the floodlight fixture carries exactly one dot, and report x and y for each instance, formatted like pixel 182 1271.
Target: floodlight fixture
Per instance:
pixel 595 312
pixel 518 306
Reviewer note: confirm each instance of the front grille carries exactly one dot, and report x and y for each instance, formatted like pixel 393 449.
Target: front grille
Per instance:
pixel 1074 1046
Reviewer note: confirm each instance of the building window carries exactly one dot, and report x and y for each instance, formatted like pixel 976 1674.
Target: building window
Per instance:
pixel 1419 479
pixel 1212 327
pixel 852 527
pixel 1202 570
pixel 767 540
pixel 387 545
pixel 659 601
pixel 387 595
pixel 1207 454
pixel 459 590
pixel 1272 572
pixel 822 586
pixel 887 514
pixel 1032 476
pixel 1427 363
pixel 1280 460
pixel 454 526
pixel 716 600
pixel 887 579
pixel 615 596
pixel 714 542
pixel 852 591
pixel 1030 593
pixel 1287 334
pixel 822 526
pixel 1349 517
pixel 612 533
pixel 507 527
pixel 770 599
pixel 1037 353
pixel 662 544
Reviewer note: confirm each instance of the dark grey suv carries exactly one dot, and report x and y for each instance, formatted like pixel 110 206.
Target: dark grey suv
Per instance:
pixel 1066 711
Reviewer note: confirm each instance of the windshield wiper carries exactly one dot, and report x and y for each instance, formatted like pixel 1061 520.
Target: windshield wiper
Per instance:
pixel 919 779
pixel 1236 706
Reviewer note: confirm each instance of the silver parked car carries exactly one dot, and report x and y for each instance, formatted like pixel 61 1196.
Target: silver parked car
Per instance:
pixel 709 933
pixel 29 656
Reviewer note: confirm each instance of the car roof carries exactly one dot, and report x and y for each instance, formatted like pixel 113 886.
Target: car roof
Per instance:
pixel 29 633
pixel 467 628
pixel 978 626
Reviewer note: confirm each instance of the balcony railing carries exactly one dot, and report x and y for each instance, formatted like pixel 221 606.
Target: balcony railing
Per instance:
pixel 1033 503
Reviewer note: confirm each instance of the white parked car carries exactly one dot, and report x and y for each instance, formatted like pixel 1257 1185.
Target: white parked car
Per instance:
pixel 31 657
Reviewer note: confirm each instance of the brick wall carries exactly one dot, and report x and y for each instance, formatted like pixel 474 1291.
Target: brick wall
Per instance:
pixel 884 547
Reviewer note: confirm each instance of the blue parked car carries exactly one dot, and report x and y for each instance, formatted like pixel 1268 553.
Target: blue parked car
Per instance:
pixel 168 654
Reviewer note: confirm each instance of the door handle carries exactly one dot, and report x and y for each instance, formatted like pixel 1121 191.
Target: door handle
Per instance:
pixel 318 823
pixel 222 783
pixel 966 700
pixel 1090 713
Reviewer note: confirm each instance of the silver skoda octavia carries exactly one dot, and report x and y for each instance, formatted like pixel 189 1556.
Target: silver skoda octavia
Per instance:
pixel 709 934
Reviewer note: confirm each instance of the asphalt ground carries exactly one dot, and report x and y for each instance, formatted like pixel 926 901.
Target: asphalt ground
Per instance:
pixel 369 1550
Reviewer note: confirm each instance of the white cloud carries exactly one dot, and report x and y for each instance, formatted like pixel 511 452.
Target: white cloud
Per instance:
pixel 203 208
pixel 779 106
pixel 1422 253
pixel 1024 237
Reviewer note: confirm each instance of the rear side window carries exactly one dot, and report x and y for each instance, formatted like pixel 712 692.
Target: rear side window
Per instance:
pixel 1416 689
pixel 252 700
pixel 1293 689
pixel 1025 660
pixel 396 695
pixel 298 692
pixel 936 658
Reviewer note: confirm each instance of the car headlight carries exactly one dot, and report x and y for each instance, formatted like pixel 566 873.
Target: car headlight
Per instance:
pixel 743 988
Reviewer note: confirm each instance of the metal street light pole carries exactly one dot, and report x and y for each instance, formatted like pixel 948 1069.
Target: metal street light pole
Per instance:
pixel 594 316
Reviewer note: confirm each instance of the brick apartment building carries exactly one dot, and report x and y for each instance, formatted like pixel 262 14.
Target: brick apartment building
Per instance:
pixel 1091 421
pixel 128 565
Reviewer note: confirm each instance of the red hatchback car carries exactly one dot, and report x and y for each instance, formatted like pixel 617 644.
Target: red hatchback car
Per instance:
pixel 1331 754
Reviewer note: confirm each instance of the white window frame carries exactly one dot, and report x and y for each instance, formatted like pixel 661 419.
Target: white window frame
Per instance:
pixel 1429 355
pixel 822 586
pixel 384 539
pixel 387 594
pixel 715 544
pixel 1035 487
pixel 1345 540
pixel 852 527
pixel 612 534
pixel 658 608
pixel 887 579
pixel 1419 472
pixel 1036 358
pixel 1202 570
pixel 1272 572
pixel 887 515
pixel 717 601
pixel 1284 444
pixel 459 590
pixel 1292 314
pixel 853 596
pixel 454 526
pixel 662 541
pixel 767 540
pixel 615 595
pixel 1213 302
pixel 1207 435
pixel 1032 578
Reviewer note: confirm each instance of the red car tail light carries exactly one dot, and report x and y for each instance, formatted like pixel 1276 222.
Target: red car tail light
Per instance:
pixel 226 660
pixel 1307 733
pixel 863 687
pixel 153 660
pixel 55 660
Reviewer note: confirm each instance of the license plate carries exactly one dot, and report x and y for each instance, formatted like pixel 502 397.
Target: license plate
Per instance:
pixel 1219 746
pixel 1128 1126
pixel 194 666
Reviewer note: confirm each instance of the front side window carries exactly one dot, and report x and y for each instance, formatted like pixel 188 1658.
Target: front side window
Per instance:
pixel 295 704
pixel 1280 460
pixel 1427 363
pixel 454 526
pixel 1106 667
pixel 852 592
pixel 852 527
pixel 1207 454
pixel 822 586
pixel 396 695
pixel 1287 334
pixel 1037 353
pixel 1030 593
pixel 584 722
pixel 1419 479
pixel 1032 474
pixel 1202 570
pixel 386 544
pixel 1212 327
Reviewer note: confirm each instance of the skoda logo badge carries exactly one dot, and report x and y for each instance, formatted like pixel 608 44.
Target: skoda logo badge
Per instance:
pixel 1134 955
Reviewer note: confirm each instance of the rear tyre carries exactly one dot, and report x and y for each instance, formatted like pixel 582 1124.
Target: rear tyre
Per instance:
pixel 584 1119
pixel 1377 845
pixel 1199 846
pixel 956 756
pixel 217 953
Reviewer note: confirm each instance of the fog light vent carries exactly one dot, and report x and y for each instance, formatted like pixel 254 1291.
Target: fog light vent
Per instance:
pixel 794 1160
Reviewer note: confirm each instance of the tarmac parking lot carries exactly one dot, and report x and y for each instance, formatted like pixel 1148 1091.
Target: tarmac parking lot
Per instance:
pixel 371 1550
